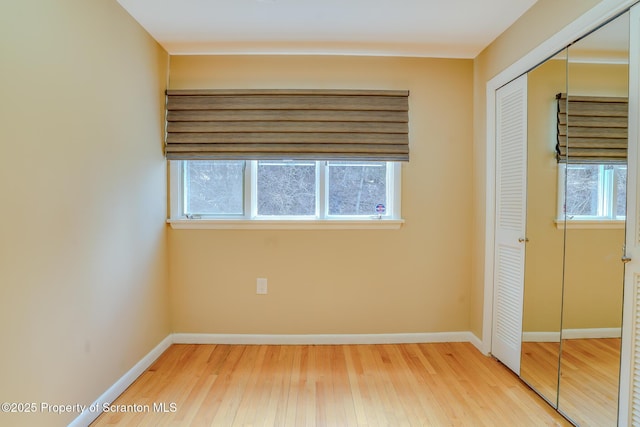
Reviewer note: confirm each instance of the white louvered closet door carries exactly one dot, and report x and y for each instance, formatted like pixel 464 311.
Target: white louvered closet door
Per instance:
pixel 511 173
pixel 629 404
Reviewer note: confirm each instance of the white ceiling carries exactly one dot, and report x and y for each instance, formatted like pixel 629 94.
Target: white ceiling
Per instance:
pixel 434 28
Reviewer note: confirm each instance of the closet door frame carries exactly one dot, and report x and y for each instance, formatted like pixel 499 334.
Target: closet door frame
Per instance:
pixel 629 401
pixel 595 17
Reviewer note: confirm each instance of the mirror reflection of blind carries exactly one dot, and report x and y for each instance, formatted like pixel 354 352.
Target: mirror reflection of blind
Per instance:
pixel 288 124
pixel 596 127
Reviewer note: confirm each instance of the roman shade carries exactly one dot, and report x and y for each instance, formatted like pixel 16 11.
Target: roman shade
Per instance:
pixel 287 124
pixel 595 126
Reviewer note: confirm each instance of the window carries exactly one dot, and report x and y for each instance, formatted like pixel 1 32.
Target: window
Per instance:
pixel 219 190
pixel 360 135
pixel 356 188
pixel 285 189
pixel 213 188
pixel 594 192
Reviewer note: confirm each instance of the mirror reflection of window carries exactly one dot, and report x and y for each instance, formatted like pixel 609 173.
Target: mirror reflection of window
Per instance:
pixel 575 225
pixel 596 191
pixel 595 201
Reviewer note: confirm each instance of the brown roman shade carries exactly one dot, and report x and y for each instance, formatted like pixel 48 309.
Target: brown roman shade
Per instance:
pixel 596 128
pixel 288 124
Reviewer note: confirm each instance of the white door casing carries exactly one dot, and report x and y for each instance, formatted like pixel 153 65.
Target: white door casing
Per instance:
pixel 629 403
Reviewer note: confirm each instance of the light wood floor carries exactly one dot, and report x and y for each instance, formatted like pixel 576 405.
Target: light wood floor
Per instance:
pixel 539 367
pixel 589 380
pixel 448 384
pixel 589 377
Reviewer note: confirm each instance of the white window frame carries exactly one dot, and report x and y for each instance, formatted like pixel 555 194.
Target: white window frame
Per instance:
pixel 250 220
pixel 607 202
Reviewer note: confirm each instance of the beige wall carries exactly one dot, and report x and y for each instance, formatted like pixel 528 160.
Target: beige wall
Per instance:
pixel 83 279
pixel 592 273
pixel 415 279
pixel 544 257
pixel 545 18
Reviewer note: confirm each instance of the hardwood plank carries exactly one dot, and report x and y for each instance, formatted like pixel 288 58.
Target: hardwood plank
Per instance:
pixel 246 376
pixel 589 375
pixel 306 385
pixel 539 367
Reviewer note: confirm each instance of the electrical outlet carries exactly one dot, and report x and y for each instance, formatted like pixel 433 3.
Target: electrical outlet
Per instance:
pixel 261 286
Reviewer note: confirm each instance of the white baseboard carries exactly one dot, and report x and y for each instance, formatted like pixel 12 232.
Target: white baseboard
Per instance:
pixel 95 409
pixel 320 339
pixel 568 334
pixel 477 343
pixel 541 337
pixel 591 333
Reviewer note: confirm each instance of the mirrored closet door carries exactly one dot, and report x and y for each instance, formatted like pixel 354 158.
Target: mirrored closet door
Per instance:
pixel 595 163
pixel 562 274
pixel 544 259
pixel 577 105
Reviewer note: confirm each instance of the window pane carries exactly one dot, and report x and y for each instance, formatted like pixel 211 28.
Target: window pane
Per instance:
pixel 286 188
pixel 356 188
pixel 582 190
pixel 621 189
pixel 214 187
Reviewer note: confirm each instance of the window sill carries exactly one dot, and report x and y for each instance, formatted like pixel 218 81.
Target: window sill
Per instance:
pixel 269 224
pixel 590 224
